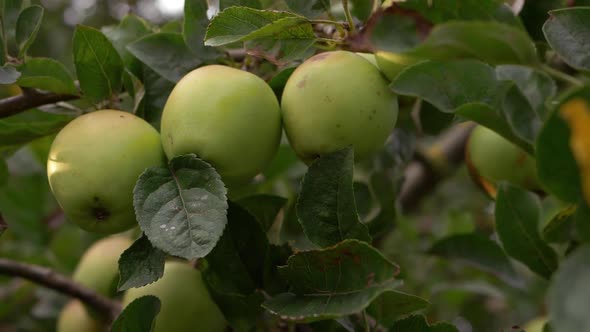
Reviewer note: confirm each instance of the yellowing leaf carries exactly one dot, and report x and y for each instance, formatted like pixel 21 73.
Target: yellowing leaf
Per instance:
pixel 577 114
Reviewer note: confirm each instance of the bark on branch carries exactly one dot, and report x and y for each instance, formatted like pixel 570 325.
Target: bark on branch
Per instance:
pixel 30 98
pixel 423 174
pixel 108 308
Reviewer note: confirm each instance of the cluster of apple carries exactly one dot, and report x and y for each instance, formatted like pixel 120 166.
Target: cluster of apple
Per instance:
pixel 229 118
pixel 186 303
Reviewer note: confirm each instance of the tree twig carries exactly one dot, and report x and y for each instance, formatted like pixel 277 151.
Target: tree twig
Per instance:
pixel 428 169
pixel 30 98
pixel 108 308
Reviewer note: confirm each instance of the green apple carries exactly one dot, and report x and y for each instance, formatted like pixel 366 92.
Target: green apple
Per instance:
pixel 391 64
pixel 185 301
pixel 98 268
pixel 536 325
pixel 336 99
pixel 94 163
pixel 74 318
pixel 369 57
pixel 495 159
pixel 226 116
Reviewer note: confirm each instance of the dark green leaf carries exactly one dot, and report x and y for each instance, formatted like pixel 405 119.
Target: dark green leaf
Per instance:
pixel 138 316
pixel 181 209
pixel 476 250
pixel 419 324
pixel 27 27
pixel 46 74
pixel 392 305
pixel 166 54
pixel 309 8
pixel 235 268
pixel 385 191
pixel 264 208
pixel 223 4
pixel 442 11
pixel 581 221
pixel 465 87
pixel 26 126
pixel 98 65
pixel 556 166
pixel 568 34
pixel 491 42
pixel 333 282
pixel 362 9
pixel 195 27
pixel 242 24
pixel 517 218
pixel 156 92
pixel 3 172
pixel 8 74
pixel 278 82
pixel 569 294
pixel 559 228
pixel 326 207
pixel 129 30
pixel 140 265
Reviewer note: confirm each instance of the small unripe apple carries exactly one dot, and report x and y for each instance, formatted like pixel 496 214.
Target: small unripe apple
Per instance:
pixel 94 163
pixel 391 64
pixel 536 325
pixel 336 99
pixel 226 116
pixel 98 268
pixel 185 301
pixel 74 318
pixel 494 159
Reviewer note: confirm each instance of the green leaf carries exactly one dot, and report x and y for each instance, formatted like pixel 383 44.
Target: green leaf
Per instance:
pixel 556 166
pixel 181 209
pixel 129 30
pixel 491 42
pixel 241 24
pixel 156 92
pixel 326 207
pixel 517 218
pixel 195 27
pixel 223 4
pixel 559 228
pixel 419 324
pixel 362 9
pixel 8 74
pixel 3 172
pixel 46 74
pixel 333 282
pixel 264 208
pixel 27 27
pixel 442 11
pixel 278 82
pixel 309 8
pixel 166 54
pixel 476 250
pixel 568 33
pixel 568 294
pixel 524 104
pixel 138 316
pixel 235 268
pixel 465 87
pixel 26 126
pixel 140 265
pixel 98 65
pixel 392 305
pixel 386 193
pixel 582 222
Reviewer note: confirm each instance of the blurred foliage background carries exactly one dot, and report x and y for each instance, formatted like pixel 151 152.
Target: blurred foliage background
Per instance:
pixel 465 296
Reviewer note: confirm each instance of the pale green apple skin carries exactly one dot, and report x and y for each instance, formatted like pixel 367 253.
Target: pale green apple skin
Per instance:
pixel 536 325
pixel 75 318
pixel 98 268
pixel 94 163
pixel 185 301
pixel 497 159
pixel 336 99
pixel 392 64
pixel 226 116
pixel 369 57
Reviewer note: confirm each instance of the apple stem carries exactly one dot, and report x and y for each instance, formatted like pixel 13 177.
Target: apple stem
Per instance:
pixel 351 26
